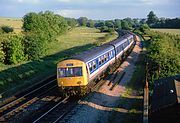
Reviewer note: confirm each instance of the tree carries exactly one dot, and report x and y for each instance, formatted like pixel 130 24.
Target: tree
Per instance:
pixel 7 29
pixel 90 23
pixel 71 22
pixel 13 49
pixel 129 21
pixel 99 24
pixel 104 29
pixel 117 23
pixel 142 21
pixel 41 28
pixel 144 28
pixel 125 25
pixel 152 19
pixel 109 24
pixel 82 21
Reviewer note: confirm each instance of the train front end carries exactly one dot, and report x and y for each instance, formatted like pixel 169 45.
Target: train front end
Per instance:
pixel 71 74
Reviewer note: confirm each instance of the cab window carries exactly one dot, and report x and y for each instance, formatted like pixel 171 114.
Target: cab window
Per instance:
pixel 70 72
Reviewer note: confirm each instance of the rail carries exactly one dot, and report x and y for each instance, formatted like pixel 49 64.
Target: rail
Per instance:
pixel 51 110
pixel 11 108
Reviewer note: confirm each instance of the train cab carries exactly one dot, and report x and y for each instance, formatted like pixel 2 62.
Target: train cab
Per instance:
pixel 71 73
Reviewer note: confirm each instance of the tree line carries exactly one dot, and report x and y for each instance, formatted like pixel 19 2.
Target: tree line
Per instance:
pixel 155 22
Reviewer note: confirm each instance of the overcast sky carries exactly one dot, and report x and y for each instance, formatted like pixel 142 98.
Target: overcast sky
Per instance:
pixel 93 9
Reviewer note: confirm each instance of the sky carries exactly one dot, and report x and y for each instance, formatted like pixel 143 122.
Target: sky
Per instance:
pixel 92 9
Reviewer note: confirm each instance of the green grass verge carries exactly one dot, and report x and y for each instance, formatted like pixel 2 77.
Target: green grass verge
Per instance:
pixel 27 73
pixel 171 31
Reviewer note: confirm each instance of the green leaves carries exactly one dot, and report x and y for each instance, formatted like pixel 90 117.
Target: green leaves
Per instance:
pixel 12 49
pixel 164 55
pixel 40 29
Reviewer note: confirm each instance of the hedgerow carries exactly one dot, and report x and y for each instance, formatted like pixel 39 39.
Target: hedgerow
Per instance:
pixel 163 55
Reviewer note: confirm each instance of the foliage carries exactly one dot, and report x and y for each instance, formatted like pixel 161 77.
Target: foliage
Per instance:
pixel 13 49
pixel 144 28
pixel 109 24
pixel 83 21
pixel 164 55
pixel 117 23
pixel 41 28
pixel 35 45
pixel 155 22
pixel 46 22
pixel 90 23
pixel 7 29
pixel 99 24
pixel 152 19
pixel 125 25
pixel 71 22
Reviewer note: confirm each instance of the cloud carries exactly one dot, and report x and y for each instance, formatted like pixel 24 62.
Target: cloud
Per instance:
pixel 71 13
pixel 28 1
pixel 155 2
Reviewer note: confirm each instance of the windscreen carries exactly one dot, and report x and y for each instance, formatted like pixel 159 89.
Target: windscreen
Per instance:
pixel 69 72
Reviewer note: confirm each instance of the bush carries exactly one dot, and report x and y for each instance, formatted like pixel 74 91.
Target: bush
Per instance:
pixel 40 29
pixel 164 56
pixel 13 49
pixel 7 29
pixel 35 45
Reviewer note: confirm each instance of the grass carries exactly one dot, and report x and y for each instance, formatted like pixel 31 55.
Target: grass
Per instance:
pixel 16 77
pixel 171 31
pixel 16 23
pixel 78 37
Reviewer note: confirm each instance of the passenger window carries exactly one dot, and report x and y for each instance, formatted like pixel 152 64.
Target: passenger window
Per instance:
pixel 94 65
pixel 90 67
pixel 102 59
pixel 105 58
pixel 99 61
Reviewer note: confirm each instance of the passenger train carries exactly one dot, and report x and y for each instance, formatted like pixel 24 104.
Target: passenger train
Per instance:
pixel 81 71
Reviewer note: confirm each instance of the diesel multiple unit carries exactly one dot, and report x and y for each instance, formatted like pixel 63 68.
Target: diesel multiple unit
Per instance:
pixel 82 69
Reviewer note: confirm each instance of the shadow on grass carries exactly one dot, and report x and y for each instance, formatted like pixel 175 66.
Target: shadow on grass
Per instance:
pixel 34 71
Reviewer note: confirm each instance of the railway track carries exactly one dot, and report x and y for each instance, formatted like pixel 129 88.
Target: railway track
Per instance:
pixel 58 111
pixel 18 104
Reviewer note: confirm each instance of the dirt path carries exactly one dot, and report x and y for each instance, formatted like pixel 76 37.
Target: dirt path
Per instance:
pixel 99 106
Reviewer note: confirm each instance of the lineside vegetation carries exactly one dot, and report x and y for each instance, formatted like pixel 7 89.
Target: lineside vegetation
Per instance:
pixel 163 55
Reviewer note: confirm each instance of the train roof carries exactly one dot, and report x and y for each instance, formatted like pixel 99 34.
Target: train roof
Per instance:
pixel 92 53
pixel 121 40
pixel 95 52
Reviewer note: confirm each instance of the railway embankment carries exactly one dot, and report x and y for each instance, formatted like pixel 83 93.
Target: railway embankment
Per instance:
pixel 118 104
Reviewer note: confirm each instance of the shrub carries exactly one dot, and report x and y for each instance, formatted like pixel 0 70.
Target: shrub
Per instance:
pixel 7 29
pixel 13 49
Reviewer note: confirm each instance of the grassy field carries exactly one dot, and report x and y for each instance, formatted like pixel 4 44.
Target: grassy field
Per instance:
pixel 16 23
pixel 171 31
pixel 75 41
